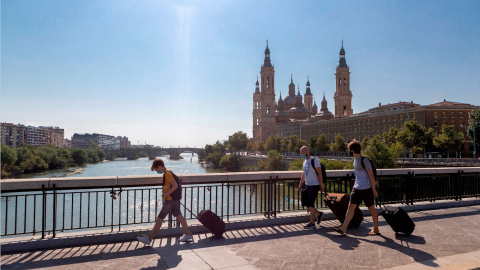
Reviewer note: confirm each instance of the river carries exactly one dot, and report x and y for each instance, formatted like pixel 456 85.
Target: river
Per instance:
pixel 122 167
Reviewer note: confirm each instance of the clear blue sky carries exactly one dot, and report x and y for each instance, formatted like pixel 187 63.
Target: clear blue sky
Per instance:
pixel 183 72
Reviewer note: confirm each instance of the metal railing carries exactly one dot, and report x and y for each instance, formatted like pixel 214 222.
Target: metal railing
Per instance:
pixel 49 206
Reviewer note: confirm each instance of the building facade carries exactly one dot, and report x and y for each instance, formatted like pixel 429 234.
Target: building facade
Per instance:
pixel 16 135
pixel 86 140
pixel 293 117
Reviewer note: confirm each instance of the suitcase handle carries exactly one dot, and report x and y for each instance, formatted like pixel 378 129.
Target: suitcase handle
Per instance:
pixel 380 204
pixel 189 210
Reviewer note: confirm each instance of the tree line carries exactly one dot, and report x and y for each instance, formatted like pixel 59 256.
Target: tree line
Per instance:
pixel 382 149
pixel 32 159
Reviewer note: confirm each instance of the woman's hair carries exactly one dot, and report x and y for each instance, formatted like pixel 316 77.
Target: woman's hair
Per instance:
pixel 157 162
pixel 355 146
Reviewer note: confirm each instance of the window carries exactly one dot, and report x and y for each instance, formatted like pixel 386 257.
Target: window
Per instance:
pixel 339 82
pixel 414 116
pixel 407 117
pixel 257 122
pixel 268 110
pixel 444 115
pixel 268 82
pixel 452 115
pixel 460 115
pixel 435 124
pixel 435 115
pixel 460 124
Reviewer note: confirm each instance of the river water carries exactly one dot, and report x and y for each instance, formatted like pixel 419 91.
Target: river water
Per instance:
pixel 123 167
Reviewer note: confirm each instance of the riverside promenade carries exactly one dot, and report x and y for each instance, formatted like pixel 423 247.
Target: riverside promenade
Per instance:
pixel 445 238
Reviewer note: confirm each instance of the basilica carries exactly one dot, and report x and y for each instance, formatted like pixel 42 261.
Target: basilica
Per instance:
pixel 299 115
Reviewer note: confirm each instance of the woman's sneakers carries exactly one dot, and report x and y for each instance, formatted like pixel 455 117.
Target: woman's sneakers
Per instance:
pixel 309 226
pixel 144 239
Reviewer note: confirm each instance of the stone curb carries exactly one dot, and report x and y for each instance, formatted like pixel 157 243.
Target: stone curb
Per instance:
pixel 103 237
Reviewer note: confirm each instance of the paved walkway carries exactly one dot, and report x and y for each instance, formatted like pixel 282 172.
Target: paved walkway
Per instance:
pixel 444 239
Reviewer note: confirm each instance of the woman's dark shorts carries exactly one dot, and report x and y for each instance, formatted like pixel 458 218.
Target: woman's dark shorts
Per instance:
pixel 358 195
pixel 309 195
pixel 170 206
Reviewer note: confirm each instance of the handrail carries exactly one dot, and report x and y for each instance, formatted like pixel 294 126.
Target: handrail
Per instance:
pixel 33 184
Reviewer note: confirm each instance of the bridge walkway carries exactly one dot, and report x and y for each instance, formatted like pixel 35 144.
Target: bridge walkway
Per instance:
pixel 443 239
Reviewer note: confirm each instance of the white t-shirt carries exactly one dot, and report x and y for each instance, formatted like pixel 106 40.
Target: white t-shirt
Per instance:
pixel 311 177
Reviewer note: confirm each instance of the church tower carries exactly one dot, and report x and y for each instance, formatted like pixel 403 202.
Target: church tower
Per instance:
pixel 308 97
pixel 343 95
pixel 264 114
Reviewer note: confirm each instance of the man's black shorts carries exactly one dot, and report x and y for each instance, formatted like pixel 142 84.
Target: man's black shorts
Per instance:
pixel 309 195
pixel 358 195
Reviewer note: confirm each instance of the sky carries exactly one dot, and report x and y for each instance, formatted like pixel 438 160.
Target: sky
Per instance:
pixel 183 73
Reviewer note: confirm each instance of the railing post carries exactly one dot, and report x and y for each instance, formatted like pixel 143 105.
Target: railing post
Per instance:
pixel 54 210
pixel 275 197
pixel 409 189
pixel 44 210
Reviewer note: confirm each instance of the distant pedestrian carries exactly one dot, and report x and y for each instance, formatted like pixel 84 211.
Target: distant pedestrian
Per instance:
pixel 363 189
pixel 169 204
pixel 312 178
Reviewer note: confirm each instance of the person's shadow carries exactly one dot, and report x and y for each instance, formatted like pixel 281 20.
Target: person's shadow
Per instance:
pixel 352 240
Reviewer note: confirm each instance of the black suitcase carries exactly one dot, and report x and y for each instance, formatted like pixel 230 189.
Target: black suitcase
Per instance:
pixel 213 222
pixel 338 203
pixel 398 219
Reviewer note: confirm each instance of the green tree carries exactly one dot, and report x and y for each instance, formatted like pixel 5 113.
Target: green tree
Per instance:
pixel 312 143
pixel 322 144
pixel 9 155
pixel 284 145
pixel 214 158
pixel 293 142
pixel 474 124
pixel 92 155
pixel 429 136
pixel 79 156
pixel 101 155
pixel 33 165
pixel 380 154
pixel 275 161
pixel 250 146
pixel 448 140
pixel 260 146
pixel 296 165
pixel 238 141
pixel 339 145
pixel 230 162
pixel 390 136
pixel 364 142
pixel 412 135
pixel 273 143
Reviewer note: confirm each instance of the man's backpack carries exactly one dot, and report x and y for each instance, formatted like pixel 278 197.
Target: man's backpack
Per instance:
pixel 373 167
pixel 324 173
pixel 177 193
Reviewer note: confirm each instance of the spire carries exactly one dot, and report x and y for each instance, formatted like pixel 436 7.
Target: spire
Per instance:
pixel 267 62
pixel 324 107
pixel 308 92
pixel 342 62
pixel 257 88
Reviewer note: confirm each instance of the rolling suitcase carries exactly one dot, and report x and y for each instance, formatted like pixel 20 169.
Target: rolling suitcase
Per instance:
pixel 338 203
pixel 213 222
pixel 398 219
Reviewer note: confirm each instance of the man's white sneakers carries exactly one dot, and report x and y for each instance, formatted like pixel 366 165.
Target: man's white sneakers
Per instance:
pixel 186 238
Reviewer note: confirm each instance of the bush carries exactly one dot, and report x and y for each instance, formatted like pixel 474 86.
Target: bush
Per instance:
pixel 296 165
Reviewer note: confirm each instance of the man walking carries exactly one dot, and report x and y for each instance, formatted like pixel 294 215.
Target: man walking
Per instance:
pixel 363 189
pixel 169 205
pixel 312 177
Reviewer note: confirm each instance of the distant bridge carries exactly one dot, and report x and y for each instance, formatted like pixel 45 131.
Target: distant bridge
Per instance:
pixel 132 153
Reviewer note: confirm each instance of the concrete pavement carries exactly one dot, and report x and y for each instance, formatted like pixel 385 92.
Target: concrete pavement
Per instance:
pixel 443 238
